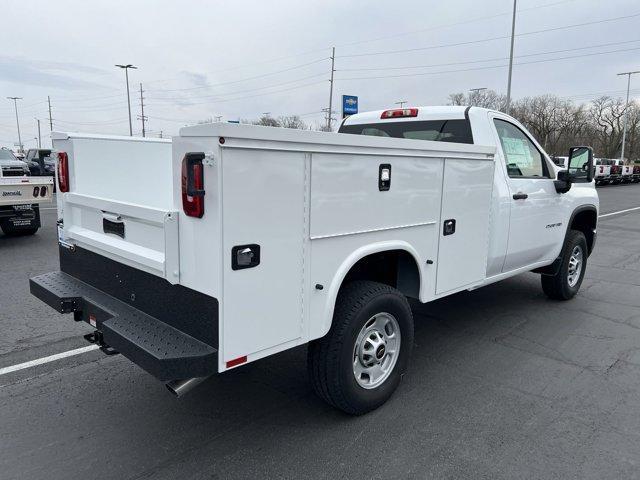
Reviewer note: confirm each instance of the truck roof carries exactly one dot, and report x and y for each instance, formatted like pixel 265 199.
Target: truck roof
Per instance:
pixel 448 112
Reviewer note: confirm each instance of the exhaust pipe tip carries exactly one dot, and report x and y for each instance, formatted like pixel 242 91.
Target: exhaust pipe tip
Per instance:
pixel 182 387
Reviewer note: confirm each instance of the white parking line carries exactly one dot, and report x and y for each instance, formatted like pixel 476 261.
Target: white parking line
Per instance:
pixel 619 212
pixel 50 358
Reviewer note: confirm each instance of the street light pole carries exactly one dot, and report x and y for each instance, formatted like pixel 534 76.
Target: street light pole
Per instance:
pixel 626 111
pixel 126 74
pixel 15 104
pixel 513 33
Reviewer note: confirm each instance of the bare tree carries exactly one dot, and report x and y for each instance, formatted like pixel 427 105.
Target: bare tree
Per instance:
pixel 483 98
pixel 267 121
pixel 607 114
pixel 292 121
pixel 457 99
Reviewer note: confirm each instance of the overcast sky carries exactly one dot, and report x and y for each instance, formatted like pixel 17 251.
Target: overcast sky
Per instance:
pixel 237 59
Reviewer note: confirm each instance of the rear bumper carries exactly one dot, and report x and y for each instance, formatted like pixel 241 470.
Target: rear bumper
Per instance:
pixel 21 216
pixel 162 350
pixel 168 330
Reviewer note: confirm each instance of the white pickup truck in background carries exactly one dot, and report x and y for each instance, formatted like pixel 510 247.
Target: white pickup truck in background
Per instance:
pixel 235 242
pixel 603 171
pixel 20 196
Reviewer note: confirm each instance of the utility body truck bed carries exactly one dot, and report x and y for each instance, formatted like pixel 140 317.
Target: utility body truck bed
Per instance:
pixel 235 242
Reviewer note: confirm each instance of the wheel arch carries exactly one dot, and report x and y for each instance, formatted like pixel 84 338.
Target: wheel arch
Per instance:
pixel 585 220
pixel 409 278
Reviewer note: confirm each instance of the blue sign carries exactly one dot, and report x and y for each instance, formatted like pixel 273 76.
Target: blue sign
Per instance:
pixel 349 105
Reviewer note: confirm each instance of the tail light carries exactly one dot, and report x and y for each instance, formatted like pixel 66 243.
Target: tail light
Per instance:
pixel 63 171
pixel 36 191
pixel 400 113
pixel 43 191
pixel 601 169
pixel 193 184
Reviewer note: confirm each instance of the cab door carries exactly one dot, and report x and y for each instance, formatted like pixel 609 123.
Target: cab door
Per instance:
pixel 536 220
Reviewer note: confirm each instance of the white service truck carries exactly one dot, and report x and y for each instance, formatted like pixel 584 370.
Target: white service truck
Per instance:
pixel 236 242
pixel 20 199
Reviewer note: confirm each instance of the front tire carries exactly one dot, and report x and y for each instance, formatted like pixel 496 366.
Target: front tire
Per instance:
pixel 358 365
pixel 566 282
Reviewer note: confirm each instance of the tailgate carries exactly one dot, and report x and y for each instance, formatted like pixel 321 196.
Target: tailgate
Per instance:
pixel 120 201
pixel 142 237
pixel 25 190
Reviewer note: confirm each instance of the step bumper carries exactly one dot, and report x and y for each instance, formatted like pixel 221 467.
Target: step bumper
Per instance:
pixel 161 349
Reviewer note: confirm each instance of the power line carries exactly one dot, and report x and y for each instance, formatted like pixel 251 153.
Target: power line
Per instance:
pixel 484 40
pixel 242 91
pixel 466 22
pixel 488 67
pixel 242 79
pixel 495 59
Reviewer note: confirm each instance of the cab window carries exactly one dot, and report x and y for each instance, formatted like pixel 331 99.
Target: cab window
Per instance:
pixel 455 130
pixel 521 155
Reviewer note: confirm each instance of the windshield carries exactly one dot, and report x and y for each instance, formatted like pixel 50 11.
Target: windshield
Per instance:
pixel 7 155
pixel 458 131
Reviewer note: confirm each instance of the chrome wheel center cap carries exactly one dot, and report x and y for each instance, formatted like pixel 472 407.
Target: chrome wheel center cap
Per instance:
pixel 376 350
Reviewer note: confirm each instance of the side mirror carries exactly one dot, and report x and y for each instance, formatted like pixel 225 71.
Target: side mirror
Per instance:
pixel 580 165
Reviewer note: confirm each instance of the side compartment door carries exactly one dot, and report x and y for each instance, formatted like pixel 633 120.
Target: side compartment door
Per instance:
pixel 264 239
pixel 537 220
pixel 464 223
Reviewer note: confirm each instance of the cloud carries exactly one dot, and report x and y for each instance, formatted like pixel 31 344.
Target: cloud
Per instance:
pixel 46 73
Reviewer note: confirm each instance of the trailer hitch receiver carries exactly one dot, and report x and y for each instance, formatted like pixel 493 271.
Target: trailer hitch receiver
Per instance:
pixel 97 338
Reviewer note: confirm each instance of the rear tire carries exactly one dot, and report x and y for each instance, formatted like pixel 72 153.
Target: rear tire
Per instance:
pixel 566 282
pixel 352 367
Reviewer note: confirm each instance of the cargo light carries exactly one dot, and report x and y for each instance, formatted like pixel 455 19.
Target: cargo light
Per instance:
pixel 400 113
pixel 63 171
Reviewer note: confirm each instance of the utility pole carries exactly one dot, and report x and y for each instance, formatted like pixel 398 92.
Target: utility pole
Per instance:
pixel 333 64
pixel 50 119
pixel 160 133
pixel 126 74
pixel 15 104
pixel 513 34
pixel 401 103
pixel 217 118
pixel 142 117
pixel 626 111
pixel 39 137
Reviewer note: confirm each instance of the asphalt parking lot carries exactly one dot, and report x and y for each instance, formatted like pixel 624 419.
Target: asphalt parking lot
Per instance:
pixel 504 383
